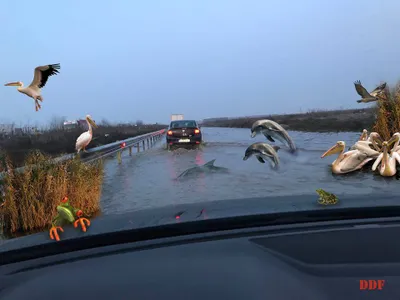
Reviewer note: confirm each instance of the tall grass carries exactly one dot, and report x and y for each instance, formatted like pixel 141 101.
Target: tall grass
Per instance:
pixel 388 113
pixel 30 197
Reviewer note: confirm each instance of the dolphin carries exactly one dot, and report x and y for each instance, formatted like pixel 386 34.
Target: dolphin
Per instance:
pixel 273 130
pixel 263 151
pixel 207 167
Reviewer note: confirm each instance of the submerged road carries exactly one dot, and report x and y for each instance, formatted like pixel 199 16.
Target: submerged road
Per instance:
pixel 148 179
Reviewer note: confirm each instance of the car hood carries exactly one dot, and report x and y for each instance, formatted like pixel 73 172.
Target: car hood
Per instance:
pixel 182 213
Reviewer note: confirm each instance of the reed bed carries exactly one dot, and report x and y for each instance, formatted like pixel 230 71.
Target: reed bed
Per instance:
pixel 29 198
pixel 388 113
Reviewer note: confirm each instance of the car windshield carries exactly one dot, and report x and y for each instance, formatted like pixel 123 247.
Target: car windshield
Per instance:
pixel 122 114
pixel 183 124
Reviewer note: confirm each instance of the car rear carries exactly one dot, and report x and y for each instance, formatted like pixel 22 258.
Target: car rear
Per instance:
pixel 184 132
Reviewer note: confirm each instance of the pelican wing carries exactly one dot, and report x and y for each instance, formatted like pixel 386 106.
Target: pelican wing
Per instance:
pixel 377 162
pixel 83 140
pixel 361 90
pixel 396 156
pixel 378 89
pixel 42 74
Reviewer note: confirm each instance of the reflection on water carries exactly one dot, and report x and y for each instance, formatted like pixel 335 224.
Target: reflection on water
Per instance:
pixel 148 179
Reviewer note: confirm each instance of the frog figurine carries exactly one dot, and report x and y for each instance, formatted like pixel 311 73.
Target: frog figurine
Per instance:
pixel 67 214
pixel 326 198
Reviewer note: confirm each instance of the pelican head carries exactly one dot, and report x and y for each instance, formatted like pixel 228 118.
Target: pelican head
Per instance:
pixel 364 135
pixel 90 120
pixel 395 138
pixel 17 83
pixel 338 147
pixel 376 137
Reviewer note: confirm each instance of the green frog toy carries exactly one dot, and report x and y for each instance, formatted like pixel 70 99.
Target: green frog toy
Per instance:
pixel 67 214
pixel 326 198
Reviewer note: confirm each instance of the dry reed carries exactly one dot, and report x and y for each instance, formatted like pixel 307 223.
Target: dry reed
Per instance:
pixel 388 113
pixel 30 197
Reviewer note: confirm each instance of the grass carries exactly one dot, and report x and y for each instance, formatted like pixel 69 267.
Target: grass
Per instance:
pixel 388 113
pixel 57 141
pixel 30 197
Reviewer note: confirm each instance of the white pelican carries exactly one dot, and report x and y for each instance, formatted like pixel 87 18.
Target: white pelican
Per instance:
pixel 366 145
pixel 41 75
pixel 396 140
pixel 84 139
pixel 364 135
pixel 387 161
pixel 347 162
pixel 368 97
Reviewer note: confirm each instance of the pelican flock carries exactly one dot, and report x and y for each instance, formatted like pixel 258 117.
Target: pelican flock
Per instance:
pixel 41 75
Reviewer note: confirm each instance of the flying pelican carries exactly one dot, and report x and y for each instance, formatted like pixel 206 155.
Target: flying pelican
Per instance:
pixel 368 97
pixel 84 139
pixel 387 160
pixel 41 75
pixel 347 162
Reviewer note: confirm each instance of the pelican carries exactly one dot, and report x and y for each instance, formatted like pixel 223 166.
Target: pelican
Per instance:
pixel 396 140
pixel 84 139
pixel 364 135
pixel 387 161
pixel 365 145
pixel 346 162
pixel 368 97
pixel 41 75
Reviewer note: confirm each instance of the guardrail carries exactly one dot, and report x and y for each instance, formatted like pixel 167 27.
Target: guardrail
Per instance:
pixel 147 140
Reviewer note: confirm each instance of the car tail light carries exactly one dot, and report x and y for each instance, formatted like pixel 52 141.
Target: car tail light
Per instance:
pixel 196 131
pixel 169 132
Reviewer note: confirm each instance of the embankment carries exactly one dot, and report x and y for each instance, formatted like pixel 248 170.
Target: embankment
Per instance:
pixel 314 121
pixel 58 141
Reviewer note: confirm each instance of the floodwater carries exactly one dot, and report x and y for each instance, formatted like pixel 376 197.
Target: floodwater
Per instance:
pixel 148 179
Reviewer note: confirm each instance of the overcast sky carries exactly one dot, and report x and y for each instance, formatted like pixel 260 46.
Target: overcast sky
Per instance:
pixel 125 60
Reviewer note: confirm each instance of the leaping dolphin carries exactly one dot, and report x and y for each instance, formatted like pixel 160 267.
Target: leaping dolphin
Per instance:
pixel 263 151
pixel 272 130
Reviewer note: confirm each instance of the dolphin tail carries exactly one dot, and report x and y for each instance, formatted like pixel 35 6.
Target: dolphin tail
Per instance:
pixel 210 163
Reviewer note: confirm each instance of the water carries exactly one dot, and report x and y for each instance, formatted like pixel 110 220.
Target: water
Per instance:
pixel 147 180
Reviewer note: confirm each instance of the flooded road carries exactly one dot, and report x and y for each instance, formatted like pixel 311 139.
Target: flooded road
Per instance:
pixel 148 179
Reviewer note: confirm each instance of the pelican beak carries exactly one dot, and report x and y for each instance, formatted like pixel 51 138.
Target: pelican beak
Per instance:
pixel 12 84
pixel 393 140
pixel 335 149
pixel 253 134
pixel 92 123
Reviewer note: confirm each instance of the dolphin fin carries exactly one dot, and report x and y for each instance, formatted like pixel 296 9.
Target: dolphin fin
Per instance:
pixel 276 148
pixel 260 159
pixel 210 163
pixel 269 138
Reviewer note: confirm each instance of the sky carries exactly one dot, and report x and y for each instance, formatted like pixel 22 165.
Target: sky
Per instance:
pixel 126 60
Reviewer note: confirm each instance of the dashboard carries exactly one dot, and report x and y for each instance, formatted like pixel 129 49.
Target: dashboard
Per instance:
pixel 358 259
